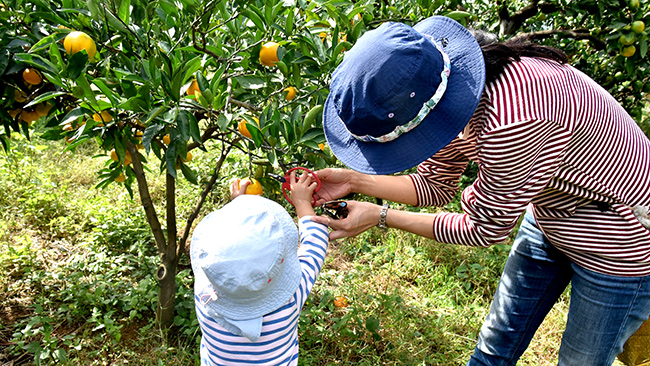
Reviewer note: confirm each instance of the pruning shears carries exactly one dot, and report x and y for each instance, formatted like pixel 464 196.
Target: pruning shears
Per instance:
pixel 286 184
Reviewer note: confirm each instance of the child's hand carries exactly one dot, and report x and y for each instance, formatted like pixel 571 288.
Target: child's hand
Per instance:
pixel 236 190
pixel 302 192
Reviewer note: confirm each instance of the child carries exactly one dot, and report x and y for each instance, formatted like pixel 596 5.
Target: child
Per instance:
pixel 251 279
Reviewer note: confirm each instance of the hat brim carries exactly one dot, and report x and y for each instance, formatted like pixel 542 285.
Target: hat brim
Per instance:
pixel 286 286
pixel 464 89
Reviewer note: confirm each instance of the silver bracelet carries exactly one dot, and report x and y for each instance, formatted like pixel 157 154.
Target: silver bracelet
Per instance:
pixel 382 216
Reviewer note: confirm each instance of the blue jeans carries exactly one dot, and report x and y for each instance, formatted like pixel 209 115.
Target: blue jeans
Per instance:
pixel 603 313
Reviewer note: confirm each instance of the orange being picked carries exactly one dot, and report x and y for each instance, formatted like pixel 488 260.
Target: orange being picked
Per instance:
pixel 77 41
pixel 340 302
pixel 32 76
pixel 291 93
pixel 255 187
pixel 269 54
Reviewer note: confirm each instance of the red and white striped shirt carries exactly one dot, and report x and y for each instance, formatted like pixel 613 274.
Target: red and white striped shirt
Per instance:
pixel 548 136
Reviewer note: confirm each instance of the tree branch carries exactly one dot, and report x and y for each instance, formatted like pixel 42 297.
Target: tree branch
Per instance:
pixel 509 23
pixel 206 190
pixel 568 33
pixel 145 197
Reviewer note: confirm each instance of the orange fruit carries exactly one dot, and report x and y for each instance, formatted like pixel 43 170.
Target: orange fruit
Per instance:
pixel 127 157
pixel 638 26
pixel 19 96
pixel 322 36
pixel 194 87
pixel 241 126
pixel 269 54
pixel 32 76
pixel 255 187
pixel 103 117
pixel 120 178
pixel 29 116
pixel 321 146
pixel 14 112
pixel 628 51
pixel 77 41
pixel 188 158
pixel 43 108
pixel 291 93
pixel 166 139
pixel 340 302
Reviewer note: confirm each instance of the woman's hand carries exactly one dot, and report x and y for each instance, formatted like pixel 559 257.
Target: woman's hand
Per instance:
pixel 361 217
pixel 335 183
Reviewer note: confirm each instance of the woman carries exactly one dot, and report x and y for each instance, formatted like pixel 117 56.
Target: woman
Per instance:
pixel 550 144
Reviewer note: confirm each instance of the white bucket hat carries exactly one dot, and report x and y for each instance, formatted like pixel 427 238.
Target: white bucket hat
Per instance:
pixel 245 259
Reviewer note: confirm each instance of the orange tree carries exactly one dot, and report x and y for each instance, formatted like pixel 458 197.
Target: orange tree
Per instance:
pixel 150 81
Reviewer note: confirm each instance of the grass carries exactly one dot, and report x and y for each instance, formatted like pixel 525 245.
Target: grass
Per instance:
pixel 77 284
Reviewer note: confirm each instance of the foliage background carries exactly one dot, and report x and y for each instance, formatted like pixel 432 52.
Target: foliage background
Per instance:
pixel 79 255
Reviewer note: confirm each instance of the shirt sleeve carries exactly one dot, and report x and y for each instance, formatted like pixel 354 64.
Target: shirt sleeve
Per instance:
pixel 436 180
pixel 516 162
pixel 314 239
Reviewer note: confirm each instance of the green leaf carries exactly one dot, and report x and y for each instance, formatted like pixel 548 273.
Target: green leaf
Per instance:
pixel 372 324
pixel 251 82
pixel 37 61
pixel 125 11
pixel 43 97
pixel 170 159
pixel 149 133
pixel 189 174
pixel 89 95
pixel 223 121
pixel 288 24
pixel 249 12
pixel 44 43
pixel 311 116
pixel 107 91
pixel 183 122
pixel 76 64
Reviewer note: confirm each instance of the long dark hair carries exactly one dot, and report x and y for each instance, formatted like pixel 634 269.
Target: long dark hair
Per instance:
pixel 499 54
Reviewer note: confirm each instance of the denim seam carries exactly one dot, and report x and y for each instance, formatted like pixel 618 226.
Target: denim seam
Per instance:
pixel 527 327
pixel 627 316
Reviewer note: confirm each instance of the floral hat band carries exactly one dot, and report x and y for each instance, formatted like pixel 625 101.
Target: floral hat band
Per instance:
pixel 427 107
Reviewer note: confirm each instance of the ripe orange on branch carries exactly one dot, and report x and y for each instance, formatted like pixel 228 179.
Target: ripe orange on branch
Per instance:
pixel 255 187
pixel 103 116
pixel 127 157
pixel 241 126
pixel 32 76
pixel 291 93
pixel 77 41
pixel 269 54
pixel 194 87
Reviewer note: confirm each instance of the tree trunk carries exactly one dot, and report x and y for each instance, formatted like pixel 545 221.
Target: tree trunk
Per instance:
pixel 166 273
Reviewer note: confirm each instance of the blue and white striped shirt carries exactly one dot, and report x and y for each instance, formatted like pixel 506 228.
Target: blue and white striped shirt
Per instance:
pixel 278 343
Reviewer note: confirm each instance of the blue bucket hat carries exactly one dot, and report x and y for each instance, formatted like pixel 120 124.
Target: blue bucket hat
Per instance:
pixel 402 93
pixel 245 260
